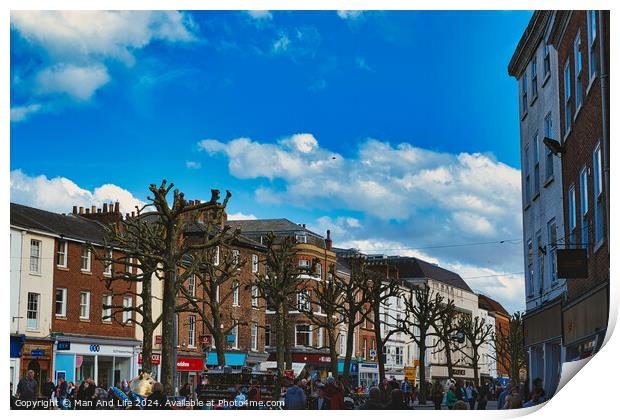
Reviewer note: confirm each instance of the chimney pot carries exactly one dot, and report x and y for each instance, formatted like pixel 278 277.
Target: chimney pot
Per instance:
pixel 74 209
pixel 117 207
pixel 98 210
pixel 105 207
pixel 132 214
pixel 87 211
pixel 93 209
pixel 126 215
pixel 81 210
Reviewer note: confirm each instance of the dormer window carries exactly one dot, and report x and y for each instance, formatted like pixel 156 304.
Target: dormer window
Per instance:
pixel 301 239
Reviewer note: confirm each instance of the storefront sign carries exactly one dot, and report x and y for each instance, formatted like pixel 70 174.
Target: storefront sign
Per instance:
pixel 410 373
pixel 543 325
pixel 311 358
pixel 37 353
pixel 206 340
pixel 458 372
pixel 94 348
pixel 155 359
pixel 572 263
pixel 63 345
pixel 191 364
pixel 158 339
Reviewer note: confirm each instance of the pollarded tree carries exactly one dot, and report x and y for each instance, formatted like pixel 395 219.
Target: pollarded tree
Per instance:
pixel 477 333
pixel 424 308
pixel 444 329
pixel 509 346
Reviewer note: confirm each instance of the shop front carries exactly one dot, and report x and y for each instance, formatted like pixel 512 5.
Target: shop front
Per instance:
pixel 585 323
pixel 316 364
pixel 458 372
pixel 155 362
pixel 106 361
pixel 37 355
pixel 368 374
pixel 189 370
pixel 17 343
pixel 234 360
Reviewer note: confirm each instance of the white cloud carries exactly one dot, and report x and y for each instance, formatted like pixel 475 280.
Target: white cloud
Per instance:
pixel 260 14
pixel 80 83
pixel 350 14
pixel 61 194
pixel 297 42
pixel 21 113
pixel 241 216
pixel 193 165
pixel 362 64
pixel 281 44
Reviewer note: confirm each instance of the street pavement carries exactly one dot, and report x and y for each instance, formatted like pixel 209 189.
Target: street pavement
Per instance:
pixel 491 405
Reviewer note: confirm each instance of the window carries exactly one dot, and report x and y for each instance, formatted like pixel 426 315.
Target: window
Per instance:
pixel 578 78
pixel 236 293
pixel 546 59
pixel 216 256
pixel 365 346
pixel 35 256
pixel 303 301
pixel 541 261
pixel 303 335
pixel 32 312
pixel 305 264
pixel 530 267
pixel 191 285
pixel 536 145
pixel 108 265
pixel 254 291
pixel 61 254
pixel 524 94
pixel 191 331
pixel 552 239
pixel 254 263
pixel 301 239
pixel 129 265
pixel 235 333
pixel 217 293
pixel 548 154
pixel 84 305
pixel 319 338
pixel 597 169
pixel 568 115
pixel 592 44
pixel 526 161
pixel 254 336
pixel 583 206
pixel 61 302
pixel 319 270
pixel 398 355
pixel 534 79
pixel 267 335
pixel 127 304
pixel 572 216
pixel 343 343
pixel 85 259
pixel 106 313
pixel 235 255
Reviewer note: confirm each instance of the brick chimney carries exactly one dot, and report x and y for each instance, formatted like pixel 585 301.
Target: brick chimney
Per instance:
pixel 108 214
pixel 328 241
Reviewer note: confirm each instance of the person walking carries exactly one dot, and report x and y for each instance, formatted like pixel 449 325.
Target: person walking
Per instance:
pixel 451 397
pixel 471 394
pixel 295 398
pixel 319 401
pixel 501 399
pixel 334 392
pixel 384 388
pixel 483 396
pixel 405 387
pixel 48 389
pixel 537 398
pixel 27 388
pixel 61 393
pixel 396 401
pixel 374 400
pixel 437 394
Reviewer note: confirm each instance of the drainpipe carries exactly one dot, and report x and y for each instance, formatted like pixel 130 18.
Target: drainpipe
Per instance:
pixel 604 101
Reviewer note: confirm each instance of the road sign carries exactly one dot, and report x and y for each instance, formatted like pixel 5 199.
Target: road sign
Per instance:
pixel 373 353
pixel 230 338
pixel 410 373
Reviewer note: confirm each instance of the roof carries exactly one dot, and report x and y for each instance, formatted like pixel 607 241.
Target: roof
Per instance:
pixel 411 268
pixel 199 227
pixel 528 43
pixel 70 226
pixel 270 225
pixel 491 305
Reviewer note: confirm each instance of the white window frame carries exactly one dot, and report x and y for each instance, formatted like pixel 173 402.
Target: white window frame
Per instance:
pixel 63 302
pixel 129 265
pixel 303 300
pixel 548 155
pixel 62 251
pixel 235 297
pixel 254 263
pixel 308 333
pixel 597 192
pixel 235 332
pixel 267 335
pixel 254 292
pixel 107 270
pixel 191 285
pixel 320 339
pixel 216 256
pixel 235 257
pixel 87 259
pixel 301 239
pixel 578 73
pixel 304 263
pixel 127 312
pixel 191 331
pixel 572 214
pixel 254 336
pixel 319 270
pixel 106 314
pixel 33 308
pixel 84 305
pixel 35 256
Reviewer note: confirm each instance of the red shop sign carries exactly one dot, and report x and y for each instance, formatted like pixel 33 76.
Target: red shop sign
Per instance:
pixel 155 359
pixel 206 340
pixel 185 363
pixel 158 339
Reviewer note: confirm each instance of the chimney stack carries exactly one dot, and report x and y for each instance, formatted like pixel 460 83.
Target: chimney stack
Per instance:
pixel 328 241
pixel 117 207
pixel 81 210
pixel 93 209
pixel 74 209
pixel 105 207
pixel 87 211
pixel 98 211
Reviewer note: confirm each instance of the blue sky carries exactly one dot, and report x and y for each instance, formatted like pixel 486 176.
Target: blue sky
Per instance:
pixel 397 130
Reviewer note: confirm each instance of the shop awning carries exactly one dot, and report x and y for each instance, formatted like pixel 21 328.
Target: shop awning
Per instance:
pixel 231 359
pixel 297 367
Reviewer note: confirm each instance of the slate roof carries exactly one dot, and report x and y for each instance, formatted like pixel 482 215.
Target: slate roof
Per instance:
pixel 489 304
pixel 269 225
pixel 70 226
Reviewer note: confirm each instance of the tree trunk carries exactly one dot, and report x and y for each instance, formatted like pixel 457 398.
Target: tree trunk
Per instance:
pixel 346 374
pixel 168 362
pixel 448 348
pixel 422 367
pixel 379 340
pixel 218 336
pixel 147 346
pixel 332 353
pixel 475 360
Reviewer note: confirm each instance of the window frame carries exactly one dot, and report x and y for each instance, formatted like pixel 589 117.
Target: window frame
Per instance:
pixel 35 260
pixel 592 25
pixel 235 294
pixel 63 302
pixel 568 111
pixel 85 305
pixel 191 331
pixel 254 263
pixel 106 314
pixel 254 336
pixel 88 259
pixel 107 269
pixel 268 335
pixel 30 303
pixel 572 214
pixel 578 73
pixel 307 333
pixel 255 295
pixel 64 251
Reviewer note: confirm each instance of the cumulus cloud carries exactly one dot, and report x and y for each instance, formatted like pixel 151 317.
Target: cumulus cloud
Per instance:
pixel 297 42
pixel 190 164
pixel 21 113
pixel 350 14
pixel 241 216
pixel 73 48
pixel 260 14
pixel 61 194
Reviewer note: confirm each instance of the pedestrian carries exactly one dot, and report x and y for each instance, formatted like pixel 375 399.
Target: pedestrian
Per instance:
pixel 460 405
pixel 515 401
pixel 48 389
pixel 295 399
pixel 319 401
pixel 483 396
pixel 451 396
pixel 334 392
pixel 405 387
pixel 384 387
pixel 537 384
pixel 437 394
pixel 27 388
pixel 374 400
pixel 459 391
pixel 71 391
pixel 501 399
pixel 396 401
pixel 61 393
pixel 471 394
pixel 394 383
pixel 185 391
pixel 157 400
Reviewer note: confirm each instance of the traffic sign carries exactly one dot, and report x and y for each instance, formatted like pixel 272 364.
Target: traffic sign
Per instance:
pixel 373 353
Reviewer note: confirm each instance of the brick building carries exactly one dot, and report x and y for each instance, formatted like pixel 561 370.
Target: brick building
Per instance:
pixel 308 341
pixel 582 41
pixel 502 323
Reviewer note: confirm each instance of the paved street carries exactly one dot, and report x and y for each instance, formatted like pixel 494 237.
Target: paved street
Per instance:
pixel 491 405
